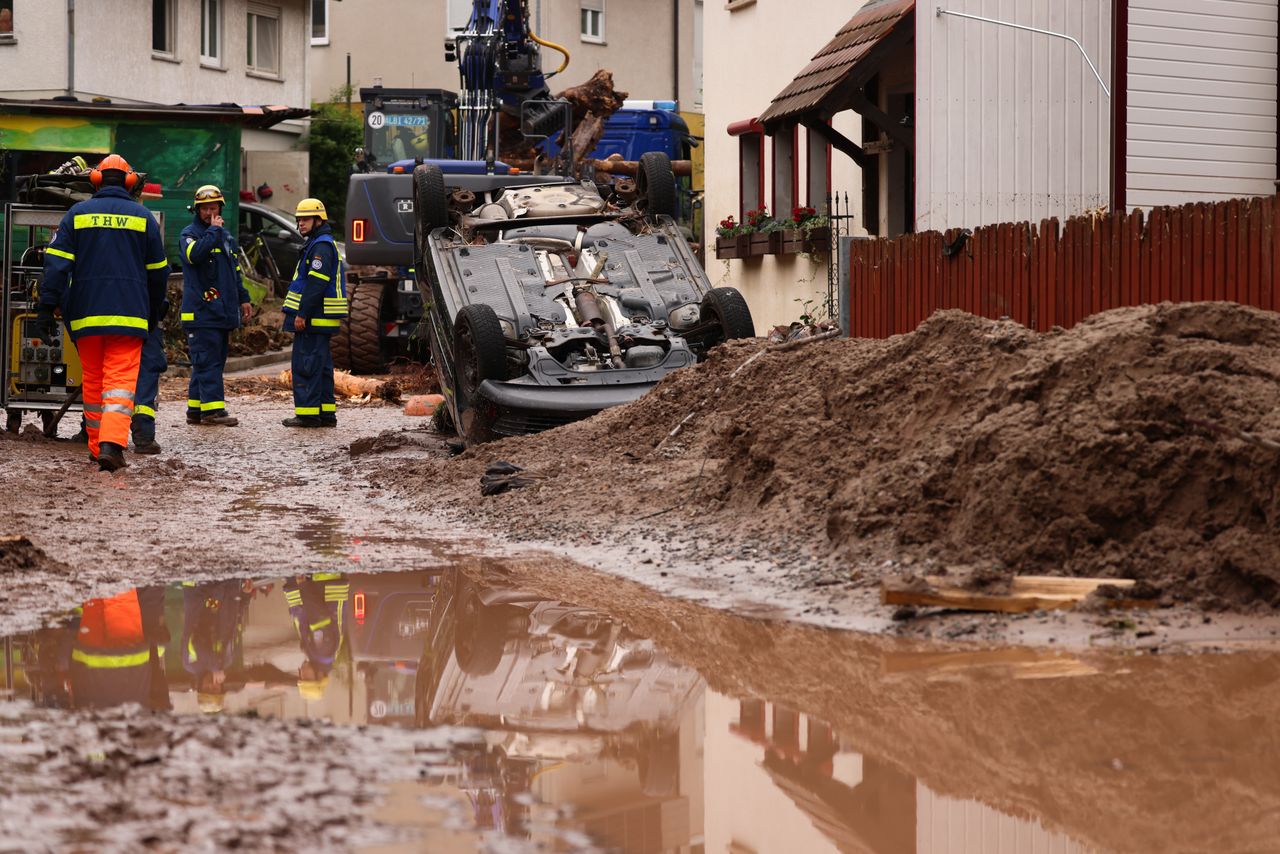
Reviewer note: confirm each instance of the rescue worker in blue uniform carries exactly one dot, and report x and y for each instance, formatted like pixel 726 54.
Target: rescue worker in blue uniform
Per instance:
pixel 313 311
pixel 213 615
pixel 214 302
pixel 154 363
pixel 106 271
pixel 316 605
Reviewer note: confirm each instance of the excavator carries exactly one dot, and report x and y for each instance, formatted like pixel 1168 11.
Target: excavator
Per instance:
pixel 503 99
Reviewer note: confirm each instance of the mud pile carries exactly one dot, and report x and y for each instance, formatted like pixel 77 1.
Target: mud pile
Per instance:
pixel 1133 445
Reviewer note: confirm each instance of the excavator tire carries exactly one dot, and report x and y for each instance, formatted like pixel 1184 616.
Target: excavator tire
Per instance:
pixel 359 346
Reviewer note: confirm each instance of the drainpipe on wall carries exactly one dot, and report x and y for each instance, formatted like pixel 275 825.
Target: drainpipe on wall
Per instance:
pixel 675 50
pixel 71 48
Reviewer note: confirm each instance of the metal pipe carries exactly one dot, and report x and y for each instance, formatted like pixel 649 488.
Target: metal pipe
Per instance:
pixel 348 81
pixel 675 50
pixel 1012 25
pixel 71 48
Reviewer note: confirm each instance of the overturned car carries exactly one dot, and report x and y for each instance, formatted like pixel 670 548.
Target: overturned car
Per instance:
pixel 550 299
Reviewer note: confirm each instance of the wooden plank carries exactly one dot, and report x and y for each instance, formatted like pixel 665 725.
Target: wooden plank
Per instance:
pixel 1018 662
pixel 1255 253
pixel 1233 251
pixel 1026 593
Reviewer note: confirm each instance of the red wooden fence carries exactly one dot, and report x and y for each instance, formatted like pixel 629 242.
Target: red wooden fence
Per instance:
pixel 1050 276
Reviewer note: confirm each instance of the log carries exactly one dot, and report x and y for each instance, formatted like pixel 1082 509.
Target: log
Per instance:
pixel 1026 593
pixel 593 102
pixel 346 385
pixel 618 166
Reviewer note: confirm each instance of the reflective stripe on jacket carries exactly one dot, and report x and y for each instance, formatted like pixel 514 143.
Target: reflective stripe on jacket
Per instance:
pixel 318 292
pixel 106 268
pixel 212 283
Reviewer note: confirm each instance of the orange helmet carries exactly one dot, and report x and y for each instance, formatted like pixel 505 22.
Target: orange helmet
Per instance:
pixel 114 161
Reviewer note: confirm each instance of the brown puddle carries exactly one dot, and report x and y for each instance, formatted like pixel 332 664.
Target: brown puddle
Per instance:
pixel 675 728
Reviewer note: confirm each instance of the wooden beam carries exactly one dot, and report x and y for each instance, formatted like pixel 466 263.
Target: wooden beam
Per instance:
pixel 1026 593
pixel 878 117
pixel 839 142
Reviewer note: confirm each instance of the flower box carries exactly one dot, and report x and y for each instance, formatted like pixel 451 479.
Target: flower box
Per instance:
pixel 818 239
pixel 733 247
pixel 766 243
pixel 793 241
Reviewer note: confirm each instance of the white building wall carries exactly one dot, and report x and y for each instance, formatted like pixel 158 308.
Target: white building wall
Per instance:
pixel 1011 125
pixel 33 64
pixel 1202 100
pixel 750 55
pixel 114 57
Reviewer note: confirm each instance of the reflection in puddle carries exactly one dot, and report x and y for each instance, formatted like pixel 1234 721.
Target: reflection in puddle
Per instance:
pixel 586 731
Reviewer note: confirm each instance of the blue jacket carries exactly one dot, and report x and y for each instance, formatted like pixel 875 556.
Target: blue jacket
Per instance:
pixel 106 267
pixel 316 606
pixel 318 292
pixel 212 284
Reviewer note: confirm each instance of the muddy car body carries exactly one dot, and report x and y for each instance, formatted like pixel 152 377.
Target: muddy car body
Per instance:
pixel 548 303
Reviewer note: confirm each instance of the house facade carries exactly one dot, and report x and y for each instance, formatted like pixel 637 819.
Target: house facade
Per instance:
pixel 247 52
pixel 958 114
pixel 652 48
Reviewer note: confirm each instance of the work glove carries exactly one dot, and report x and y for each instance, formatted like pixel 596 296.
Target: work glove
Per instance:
pixel 46 324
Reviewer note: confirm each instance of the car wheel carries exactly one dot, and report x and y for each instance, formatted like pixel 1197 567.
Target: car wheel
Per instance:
pixel 656 184
pixel 480 353
pixel 430 206
pixel 724 311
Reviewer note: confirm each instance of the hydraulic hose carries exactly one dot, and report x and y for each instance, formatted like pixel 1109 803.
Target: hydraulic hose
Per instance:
pixel 555 47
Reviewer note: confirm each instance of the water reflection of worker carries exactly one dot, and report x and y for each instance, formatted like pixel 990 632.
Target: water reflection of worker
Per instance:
pixel 212 626
pixel 316 604
pixel 117 649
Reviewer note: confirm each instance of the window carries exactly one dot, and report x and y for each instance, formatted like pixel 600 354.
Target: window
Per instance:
pixel 263 39
pixel 593 21
pixel 6 21
pixel 319 21
pixel 457 15
pixel 751 174
pixel 786 172
pixel 818 170
pixel 162 26
pixel 211 31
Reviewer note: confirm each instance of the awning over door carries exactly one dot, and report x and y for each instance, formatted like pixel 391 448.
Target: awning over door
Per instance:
pixel 834 79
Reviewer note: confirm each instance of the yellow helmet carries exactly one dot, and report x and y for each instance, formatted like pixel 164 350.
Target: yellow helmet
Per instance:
pixel 311 207
pixel 208 194
pixel 312 690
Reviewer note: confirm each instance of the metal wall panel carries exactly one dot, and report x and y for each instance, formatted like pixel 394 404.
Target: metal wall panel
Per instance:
pixel 1202 100
pixel 1011 125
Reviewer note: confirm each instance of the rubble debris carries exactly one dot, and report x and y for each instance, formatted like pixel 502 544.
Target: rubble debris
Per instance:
pixel 421 405
pixel 967 441
pixel 502 476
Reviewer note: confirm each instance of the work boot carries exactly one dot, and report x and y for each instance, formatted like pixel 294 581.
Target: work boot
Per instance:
pixel 82 437
pixel 193 417
pixel 301 421
pixel 146 446
pixel 328 422
pixel 110 457
pixel 219 419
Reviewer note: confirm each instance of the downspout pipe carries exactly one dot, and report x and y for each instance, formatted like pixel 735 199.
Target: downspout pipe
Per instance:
pixel 675 50
pixel 71 48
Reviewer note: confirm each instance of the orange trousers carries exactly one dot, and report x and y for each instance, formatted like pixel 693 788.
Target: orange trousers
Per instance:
pixel 110 364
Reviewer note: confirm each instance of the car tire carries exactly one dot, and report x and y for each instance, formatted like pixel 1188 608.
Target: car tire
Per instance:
pixel 726 311
pixel 479 354
pixel 359 346
pixel 482 636
pixel 430 206
pixel 656 184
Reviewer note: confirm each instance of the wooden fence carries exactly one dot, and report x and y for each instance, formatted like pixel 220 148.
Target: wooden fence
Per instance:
pixel 1050 275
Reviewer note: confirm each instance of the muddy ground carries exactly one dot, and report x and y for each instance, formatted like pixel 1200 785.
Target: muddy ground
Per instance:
pixel 1135 445
pixel 779 487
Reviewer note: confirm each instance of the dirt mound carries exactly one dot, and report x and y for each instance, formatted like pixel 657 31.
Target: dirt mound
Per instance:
pixel 18 554
pixel 1129 446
